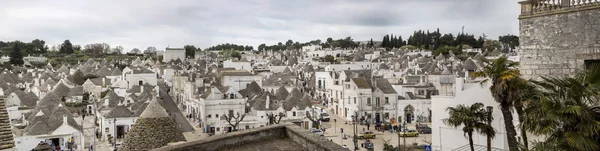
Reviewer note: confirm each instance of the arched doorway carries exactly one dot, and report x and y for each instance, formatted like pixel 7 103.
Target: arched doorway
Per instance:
pixel 409 113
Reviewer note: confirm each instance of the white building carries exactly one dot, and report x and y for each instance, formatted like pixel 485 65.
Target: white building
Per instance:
pixel 57 127
pixel 447 138
pixel 173 54
pixel 311 48
pixel 117 122
pixel 139 76
pixel 365 65
pixel 238 80
pixel 238 65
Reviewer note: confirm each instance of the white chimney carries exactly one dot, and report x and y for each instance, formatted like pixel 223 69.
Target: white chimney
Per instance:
pixel 64 120
pixel 268 100
pixel 104 81
pixel 141 88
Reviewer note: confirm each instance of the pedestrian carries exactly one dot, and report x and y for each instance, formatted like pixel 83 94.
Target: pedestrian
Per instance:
pixel 363 129
pixel 368 125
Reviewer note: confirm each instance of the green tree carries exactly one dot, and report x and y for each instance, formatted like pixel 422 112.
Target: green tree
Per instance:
pixel 509 40
pixel 328 58
pixel 150 50
pixel 445 50
pixel 525 95
pixel 117 50
pixel 135 51
pixel 236 55
pixel 16 58
pixel 66 47
pixel 262 47
pixel 78 77
pixel 471 118
pixel 190 51
pixel 491 45
pixel 567 111
pixel 500 73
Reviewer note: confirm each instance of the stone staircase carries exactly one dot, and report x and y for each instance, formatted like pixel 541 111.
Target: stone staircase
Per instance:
pixel 6 136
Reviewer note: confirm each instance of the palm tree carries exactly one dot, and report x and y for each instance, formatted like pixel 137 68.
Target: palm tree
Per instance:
pixel 567 113
pixel 471 118
pixel 524 96
pixel 501 72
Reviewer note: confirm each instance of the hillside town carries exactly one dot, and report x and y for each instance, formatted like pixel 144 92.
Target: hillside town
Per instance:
pixel 525 92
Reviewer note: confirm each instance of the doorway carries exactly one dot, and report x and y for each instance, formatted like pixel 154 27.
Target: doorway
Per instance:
pixel 120 131
pixel 377 118
pixel 337 110
pixel 54 142
pixel 408 113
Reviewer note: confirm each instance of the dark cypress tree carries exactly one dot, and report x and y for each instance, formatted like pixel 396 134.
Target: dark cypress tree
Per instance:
pixel 384 42
pixel 16 58
pixel 436 43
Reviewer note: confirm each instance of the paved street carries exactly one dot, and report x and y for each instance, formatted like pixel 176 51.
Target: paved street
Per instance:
pixel 172 108
pixel 332 132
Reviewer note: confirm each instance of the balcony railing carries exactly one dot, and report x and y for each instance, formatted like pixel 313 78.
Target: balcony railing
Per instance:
pixel 533 7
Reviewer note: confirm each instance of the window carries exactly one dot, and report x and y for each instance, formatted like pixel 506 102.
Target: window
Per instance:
pixel 218 129
pixel 386 115
pixel 217 115
pixel 141 82
pixel 230 113
pixel 347 86
pixel 232 96
pixel 354 100
pixel 387 100
pixel 377 101
pixel 294 113
pixel 209 115
pixel 319 84
pixel 368 101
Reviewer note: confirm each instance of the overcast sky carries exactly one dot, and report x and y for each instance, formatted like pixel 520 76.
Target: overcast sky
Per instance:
pixel 204 23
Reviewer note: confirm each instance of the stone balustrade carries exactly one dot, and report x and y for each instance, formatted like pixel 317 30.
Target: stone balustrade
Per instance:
pixel 532 8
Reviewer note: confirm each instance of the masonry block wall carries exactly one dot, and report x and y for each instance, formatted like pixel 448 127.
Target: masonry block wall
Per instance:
pixel 557 39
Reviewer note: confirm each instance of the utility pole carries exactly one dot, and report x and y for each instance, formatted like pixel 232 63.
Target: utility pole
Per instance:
pixel 95 120
pixel 355 138
pixel 404 129
pixel 115 131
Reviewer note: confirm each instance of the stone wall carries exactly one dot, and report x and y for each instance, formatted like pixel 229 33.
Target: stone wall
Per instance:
pixel 557 43
pixel 257 135
pixel 310 141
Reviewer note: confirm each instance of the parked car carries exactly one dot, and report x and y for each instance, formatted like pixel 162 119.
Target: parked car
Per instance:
pixel 317 131
pixel 366 135
pixel 424 130
pixel 324 117
pixel 421 125
pixel 409 133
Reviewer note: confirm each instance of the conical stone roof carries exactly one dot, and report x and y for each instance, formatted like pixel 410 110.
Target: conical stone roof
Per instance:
pixel 154 129
pixel 6 135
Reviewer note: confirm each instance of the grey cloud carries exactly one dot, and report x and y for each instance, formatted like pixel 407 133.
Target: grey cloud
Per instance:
pixel 204 23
